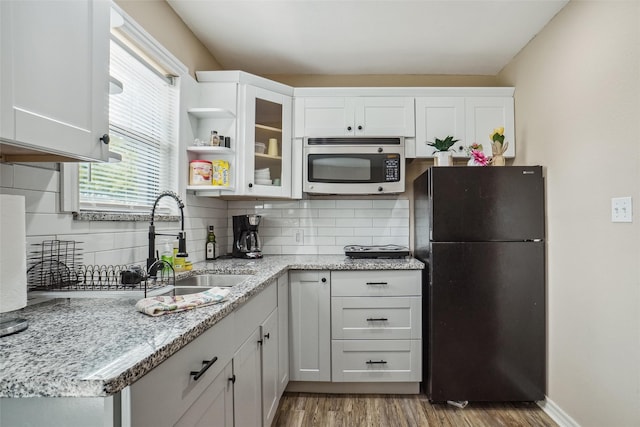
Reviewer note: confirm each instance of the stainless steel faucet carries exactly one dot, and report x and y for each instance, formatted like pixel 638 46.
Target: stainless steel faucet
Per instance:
pixel 152 265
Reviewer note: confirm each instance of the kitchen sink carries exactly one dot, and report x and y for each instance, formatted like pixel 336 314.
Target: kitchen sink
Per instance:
pixel 211 280
pixel 204 282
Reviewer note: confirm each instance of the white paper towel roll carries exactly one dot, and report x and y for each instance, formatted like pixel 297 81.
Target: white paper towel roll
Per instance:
pixel 13 257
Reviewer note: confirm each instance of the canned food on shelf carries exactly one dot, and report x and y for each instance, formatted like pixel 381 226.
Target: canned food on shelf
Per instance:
pixel 200 172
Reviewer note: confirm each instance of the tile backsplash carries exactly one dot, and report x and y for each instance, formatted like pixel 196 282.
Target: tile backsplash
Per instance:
pixel 325 226
pixel 312 226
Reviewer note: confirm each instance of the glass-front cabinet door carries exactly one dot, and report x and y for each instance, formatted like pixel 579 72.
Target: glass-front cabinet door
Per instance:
pixel 266 170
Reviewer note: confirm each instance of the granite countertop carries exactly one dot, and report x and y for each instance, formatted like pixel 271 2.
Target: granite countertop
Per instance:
pixel 92 347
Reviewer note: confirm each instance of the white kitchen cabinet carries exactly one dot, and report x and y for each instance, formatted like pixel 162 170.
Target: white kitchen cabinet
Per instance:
pixel 214 407
pixel 262 111
pixel 438 117
pixel 483 114
pixel 354 116
pixel 310 331
pixel 283 333
pixel 247 398
pixel 376 319
pixel 270 395
pixel 268 116
pixel 168 392
pixel 54 80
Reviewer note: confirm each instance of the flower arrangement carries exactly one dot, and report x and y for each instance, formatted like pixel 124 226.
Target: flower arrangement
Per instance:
pixel 498 145
pixel 479 158
pixel 442 144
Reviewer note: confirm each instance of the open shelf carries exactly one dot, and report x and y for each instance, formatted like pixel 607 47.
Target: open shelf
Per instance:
pixel 210 150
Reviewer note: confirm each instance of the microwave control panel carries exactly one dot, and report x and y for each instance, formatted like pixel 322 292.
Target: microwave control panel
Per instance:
pixel 391 167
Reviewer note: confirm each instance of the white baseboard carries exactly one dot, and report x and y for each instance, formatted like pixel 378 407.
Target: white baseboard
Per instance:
pixel 557 414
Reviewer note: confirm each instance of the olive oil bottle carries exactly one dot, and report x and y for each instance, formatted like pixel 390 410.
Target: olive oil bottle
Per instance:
pixel 210 245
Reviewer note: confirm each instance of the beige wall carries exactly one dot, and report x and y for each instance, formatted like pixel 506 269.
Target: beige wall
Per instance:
pixel 577 105
pixel 159 20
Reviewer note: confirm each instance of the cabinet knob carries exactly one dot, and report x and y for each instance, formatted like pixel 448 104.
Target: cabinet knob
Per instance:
pixel 232 378
pixel 380 189
pixel 105 138
pixel 323 280
pixel 349 128
pixel 250 185
pixel 267 336
pixel 359 127
pixel 380 150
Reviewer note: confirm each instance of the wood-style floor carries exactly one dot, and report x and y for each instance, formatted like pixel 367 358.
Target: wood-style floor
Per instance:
pixel 354 410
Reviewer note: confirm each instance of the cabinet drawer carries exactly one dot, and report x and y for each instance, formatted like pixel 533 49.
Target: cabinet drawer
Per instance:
pixel 376 283
pixel 172 384
pixel 376 318
pixel 376 360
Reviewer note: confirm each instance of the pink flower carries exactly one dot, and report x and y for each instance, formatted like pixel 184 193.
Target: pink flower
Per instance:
pixel 479 157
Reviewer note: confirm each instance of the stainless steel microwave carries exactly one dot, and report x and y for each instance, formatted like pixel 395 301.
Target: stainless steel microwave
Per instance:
pixel 353 165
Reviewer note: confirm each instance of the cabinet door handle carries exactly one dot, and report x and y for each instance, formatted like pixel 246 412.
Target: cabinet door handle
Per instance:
pixel 105 138
pixel 259 342
pixel 232 378
pixel 349 128
pixel 267 335
pixel 376 362
pixel 377 283
pixel 206 364
pixel 359 127
pixel 377 319
pixel 323 280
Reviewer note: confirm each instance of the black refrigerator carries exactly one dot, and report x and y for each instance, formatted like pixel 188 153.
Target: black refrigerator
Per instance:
pixel 481 230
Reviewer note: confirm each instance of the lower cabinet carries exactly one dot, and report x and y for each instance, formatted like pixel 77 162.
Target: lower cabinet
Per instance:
pixel 214 407
pixel 270 384
pixel 310 344
pixel 283 333
pixel 356 326
pixel 247 407
pixel 228 376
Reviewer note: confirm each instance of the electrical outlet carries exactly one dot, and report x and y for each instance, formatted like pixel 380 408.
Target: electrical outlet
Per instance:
pixel 621 209
pixel 299 235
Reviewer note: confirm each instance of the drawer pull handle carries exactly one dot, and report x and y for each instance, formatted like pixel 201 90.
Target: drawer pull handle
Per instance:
pixel 206 365
pixel 376 362
pixel 377 319
pixel 377 283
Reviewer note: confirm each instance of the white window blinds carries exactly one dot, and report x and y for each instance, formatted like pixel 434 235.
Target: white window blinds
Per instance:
pixel 143 127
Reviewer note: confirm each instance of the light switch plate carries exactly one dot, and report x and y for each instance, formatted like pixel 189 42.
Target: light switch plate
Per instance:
pixel 621 209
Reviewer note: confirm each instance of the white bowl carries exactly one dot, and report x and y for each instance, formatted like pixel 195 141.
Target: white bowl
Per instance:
pixel 260 147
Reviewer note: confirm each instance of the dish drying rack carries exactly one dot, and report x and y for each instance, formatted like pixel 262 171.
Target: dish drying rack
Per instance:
pixel 56 269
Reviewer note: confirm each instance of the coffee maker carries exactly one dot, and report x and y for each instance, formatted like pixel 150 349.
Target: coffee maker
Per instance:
pixel 246 241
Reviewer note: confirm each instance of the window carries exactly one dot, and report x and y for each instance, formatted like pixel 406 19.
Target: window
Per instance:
pixel 143 127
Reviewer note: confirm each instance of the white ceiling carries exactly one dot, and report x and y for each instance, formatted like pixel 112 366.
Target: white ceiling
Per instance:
pixel 366 37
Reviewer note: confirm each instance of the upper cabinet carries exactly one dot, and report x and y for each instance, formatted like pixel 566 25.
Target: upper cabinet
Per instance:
pixel 54 80
pixel 438 117
pixel 255 117
pixel 483 115
pixel 354 116
pixel 467 114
